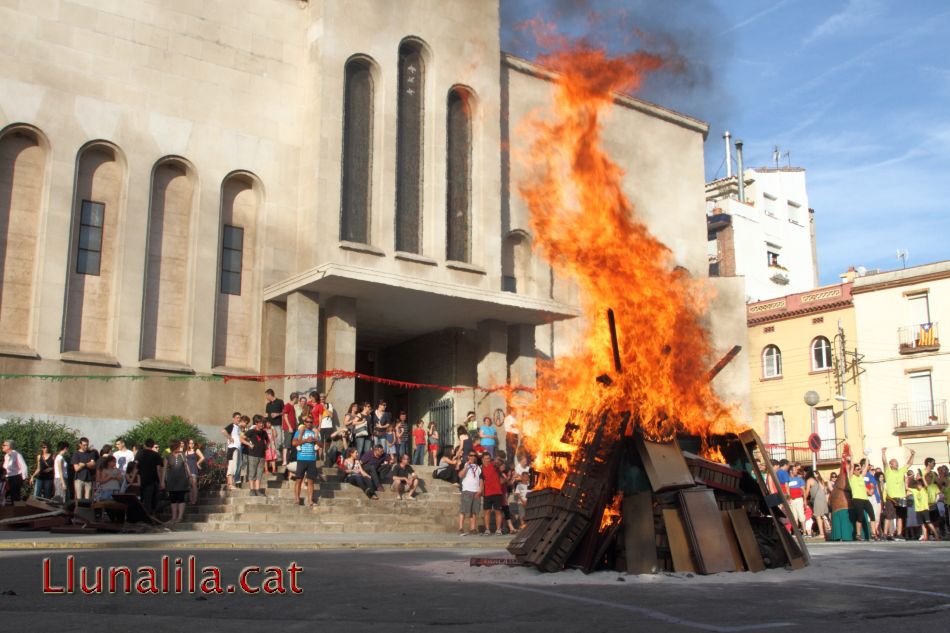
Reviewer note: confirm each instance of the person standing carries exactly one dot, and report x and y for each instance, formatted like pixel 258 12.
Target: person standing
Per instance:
pixel 862 513
pixel 362 429
pixel 489 436
pixel 512 434
pixel 15 467
pixel 381 424
pixel 194 457
pixel 434 445
pixel 419 444
pixel 233 434
pixel 401 434
pixel 43 474
pixel 895 495
pixel 491 492
pixel 470 476
pixel 84 466
pixel 256 443
pixel 288 424
pixel 122 455
pixel 151 469
pixel 61 473
pixel 176 480
pixel 818 499
pixel 305 441
pixel 327 425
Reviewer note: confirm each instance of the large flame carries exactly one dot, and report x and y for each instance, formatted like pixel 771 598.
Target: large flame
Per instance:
pixel 587 228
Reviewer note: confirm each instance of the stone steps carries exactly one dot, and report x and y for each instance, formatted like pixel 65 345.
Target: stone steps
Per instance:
pixel 340 508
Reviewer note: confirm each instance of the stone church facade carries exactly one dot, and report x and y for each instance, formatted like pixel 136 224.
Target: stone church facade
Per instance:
pixel 237 187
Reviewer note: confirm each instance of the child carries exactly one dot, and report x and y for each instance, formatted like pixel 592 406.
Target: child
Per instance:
pixel 922 507
pixel 434 444
pixel 270 453
pixel 419 444
pixel 519 499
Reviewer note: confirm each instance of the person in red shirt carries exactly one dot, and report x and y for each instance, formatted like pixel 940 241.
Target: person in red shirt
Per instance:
pixel 288 425
pixel 419 443
pixel 492 493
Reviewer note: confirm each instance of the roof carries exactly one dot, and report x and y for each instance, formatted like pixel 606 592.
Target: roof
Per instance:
pixel 530 68
pixel 902 277
pixel 821 299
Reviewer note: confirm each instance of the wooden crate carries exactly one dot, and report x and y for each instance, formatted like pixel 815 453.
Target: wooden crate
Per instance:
pixel 713 474
pixel 541 504
pixel 560 539
pixel 526 540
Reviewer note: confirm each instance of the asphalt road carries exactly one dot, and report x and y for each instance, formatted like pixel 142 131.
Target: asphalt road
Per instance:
pixel 900 586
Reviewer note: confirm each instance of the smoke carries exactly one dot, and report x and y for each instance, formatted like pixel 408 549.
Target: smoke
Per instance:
pixel 686 33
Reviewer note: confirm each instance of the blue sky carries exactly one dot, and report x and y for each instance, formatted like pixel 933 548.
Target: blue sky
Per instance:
pixel 857 91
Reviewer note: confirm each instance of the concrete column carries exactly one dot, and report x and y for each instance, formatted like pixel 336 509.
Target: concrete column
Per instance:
pixel 521 351
pixel 492 365
pixel 341 349
pixel 302 342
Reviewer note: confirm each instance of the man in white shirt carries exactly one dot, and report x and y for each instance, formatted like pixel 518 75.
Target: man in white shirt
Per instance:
pixel 60 472
pixel 470 478
pixel 512 435
pixel 122 455
pixel 233 433
pixel 15 467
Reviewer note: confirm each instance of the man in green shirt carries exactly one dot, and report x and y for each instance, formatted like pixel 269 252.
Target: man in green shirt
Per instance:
pixel 895 495
pixel 860 505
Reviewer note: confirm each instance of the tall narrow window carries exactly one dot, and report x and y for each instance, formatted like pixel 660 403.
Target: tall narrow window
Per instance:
pixel 89 254
pixel 771 362
pixel 777 435
pixel 409 149
pixel 232 253
pixel 357 151
pixel 459 170
pixel 820 354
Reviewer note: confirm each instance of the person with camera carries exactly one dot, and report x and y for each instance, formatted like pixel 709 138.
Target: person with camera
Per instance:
pixel 470 476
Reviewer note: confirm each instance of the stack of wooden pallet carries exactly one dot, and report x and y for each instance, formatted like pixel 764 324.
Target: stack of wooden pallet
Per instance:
pixel 675 510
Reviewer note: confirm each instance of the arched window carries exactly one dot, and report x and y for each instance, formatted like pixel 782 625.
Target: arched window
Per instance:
pixel 93 272
pixel 357 150
pixel 459 175
pixel 409 148
pixel 24 154
pixel 771 362
pixel 820 354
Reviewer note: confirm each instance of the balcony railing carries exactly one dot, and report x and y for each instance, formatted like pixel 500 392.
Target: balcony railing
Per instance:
pixel 800 451
pixel 923 337
pixel 921 415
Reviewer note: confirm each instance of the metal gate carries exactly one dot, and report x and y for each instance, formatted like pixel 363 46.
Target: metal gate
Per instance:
pixel 442 412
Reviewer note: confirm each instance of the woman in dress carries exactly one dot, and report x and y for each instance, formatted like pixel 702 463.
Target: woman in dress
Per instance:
pixel 109 479
pixel 43 475
pixel 818 500
pixel 270 453
pixel 176 480
pixel 194 458
pixel 433 444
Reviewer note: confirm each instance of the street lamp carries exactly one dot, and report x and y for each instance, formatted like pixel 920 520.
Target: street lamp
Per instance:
pixel 811 399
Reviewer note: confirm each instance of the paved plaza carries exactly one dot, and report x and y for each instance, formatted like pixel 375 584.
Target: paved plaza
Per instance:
pixel 902 586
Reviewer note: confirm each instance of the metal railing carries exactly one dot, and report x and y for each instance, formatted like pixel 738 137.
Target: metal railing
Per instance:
pixel 800 452
pixel 920 415
pixel 920 337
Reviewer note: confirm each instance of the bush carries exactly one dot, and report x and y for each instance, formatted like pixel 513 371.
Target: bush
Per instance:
pixel 162 429
pixel 28 434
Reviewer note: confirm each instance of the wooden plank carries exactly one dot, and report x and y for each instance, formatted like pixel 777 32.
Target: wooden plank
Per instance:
pixel 747 543
pixel 664 464
pixel 679 545
pixel 639 537
pixel 794 546
pixel 705 531
pixel 731 540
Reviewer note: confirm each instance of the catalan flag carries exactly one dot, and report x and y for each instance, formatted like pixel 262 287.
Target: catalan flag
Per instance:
pixel 927 336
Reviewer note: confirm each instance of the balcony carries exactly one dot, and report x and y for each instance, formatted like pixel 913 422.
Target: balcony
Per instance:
pixel 924 337
pixel 926 415
pixel 800 452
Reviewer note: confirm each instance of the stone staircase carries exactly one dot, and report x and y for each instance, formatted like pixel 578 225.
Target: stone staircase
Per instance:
pixel 340 508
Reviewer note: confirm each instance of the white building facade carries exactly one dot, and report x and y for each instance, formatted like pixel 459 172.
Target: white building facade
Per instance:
pixel 768 236
pixel 905 384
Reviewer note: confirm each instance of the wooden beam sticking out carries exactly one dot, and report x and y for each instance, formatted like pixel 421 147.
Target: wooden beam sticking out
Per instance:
pixel 747 543
pixel 664 464
pixel 679 545
pixel 639 539
pixel 725 360
pixel 705 531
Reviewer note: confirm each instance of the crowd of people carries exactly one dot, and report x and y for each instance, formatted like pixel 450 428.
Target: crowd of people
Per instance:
pixel 861 501
pixel 373 448
pixel 84 474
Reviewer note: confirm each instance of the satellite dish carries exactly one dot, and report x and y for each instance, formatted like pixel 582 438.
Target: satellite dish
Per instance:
pixel 862 271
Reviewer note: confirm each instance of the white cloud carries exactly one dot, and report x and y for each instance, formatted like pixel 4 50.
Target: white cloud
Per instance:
pixel 754 17
pixel 856 14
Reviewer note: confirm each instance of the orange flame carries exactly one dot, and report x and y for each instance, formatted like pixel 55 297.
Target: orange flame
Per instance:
pixel 587 229
pixel 612 512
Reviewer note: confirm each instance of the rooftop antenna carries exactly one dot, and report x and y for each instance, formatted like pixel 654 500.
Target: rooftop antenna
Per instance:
pixel 902 255
pixel 788 157
pixel 776 155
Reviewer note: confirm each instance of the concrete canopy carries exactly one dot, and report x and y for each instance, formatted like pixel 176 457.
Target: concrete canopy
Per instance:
pixel 393 307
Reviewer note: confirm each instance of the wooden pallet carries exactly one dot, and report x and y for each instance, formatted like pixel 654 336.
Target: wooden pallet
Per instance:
pixel 560 539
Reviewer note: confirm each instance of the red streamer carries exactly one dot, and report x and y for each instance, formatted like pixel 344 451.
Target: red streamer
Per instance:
pixel 341 374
